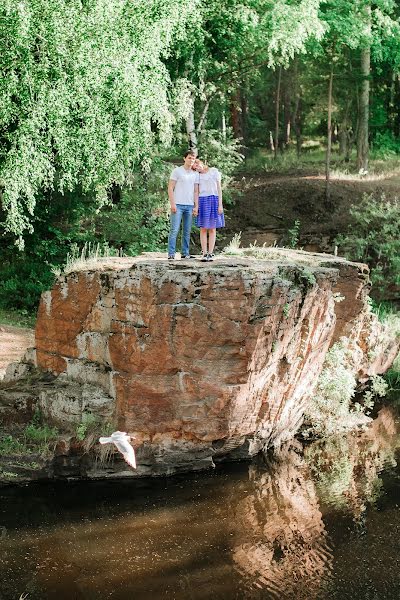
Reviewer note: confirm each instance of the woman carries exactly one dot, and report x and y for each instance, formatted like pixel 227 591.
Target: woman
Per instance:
pixel 210 210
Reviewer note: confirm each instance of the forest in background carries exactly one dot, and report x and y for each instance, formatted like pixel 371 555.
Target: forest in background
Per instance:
pixel 100 98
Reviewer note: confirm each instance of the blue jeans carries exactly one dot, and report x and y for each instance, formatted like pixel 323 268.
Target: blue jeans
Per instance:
pixel 184 213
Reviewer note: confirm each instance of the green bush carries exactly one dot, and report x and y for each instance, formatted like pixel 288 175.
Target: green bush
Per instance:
pixel 374 238
pixel 392 376
pixel 22 282
pixel 139 221
pixel 10 445
pixel 385 145
pixel 331 408
pixel 39 433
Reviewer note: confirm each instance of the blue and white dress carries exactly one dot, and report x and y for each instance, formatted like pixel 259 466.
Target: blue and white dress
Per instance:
pixel 208 216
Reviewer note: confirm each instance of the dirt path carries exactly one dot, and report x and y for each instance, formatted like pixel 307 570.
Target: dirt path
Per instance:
pixel 13 343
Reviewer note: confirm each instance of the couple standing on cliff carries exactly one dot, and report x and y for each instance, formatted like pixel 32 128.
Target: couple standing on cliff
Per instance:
pixel 194 189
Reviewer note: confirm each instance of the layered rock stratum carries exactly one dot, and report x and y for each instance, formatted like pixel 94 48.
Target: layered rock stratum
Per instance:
pixel 200 361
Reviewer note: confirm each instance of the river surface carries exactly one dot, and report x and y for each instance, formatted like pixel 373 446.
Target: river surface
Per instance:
pixel 314 522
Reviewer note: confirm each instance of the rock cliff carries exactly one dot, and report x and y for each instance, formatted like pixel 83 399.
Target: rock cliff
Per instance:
pixel 199 361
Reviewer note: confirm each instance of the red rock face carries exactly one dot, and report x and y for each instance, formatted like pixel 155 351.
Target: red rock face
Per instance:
pixel 205 356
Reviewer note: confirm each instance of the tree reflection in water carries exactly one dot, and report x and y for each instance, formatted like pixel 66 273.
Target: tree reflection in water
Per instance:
pixel 289 526
pixel 282 544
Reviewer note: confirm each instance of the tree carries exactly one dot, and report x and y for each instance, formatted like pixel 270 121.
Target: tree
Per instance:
pixel 84 94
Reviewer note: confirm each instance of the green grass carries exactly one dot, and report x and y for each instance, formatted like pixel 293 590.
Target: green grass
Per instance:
pixel 312 160
pixel 17 318
pixel 11 445
pixel 39 433
pixel 392 376
pixel 33 439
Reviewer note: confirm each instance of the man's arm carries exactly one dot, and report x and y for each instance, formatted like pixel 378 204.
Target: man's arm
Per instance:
pixel 171 187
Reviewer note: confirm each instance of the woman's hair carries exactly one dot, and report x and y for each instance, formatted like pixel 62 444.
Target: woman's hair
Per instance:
pixel 200 163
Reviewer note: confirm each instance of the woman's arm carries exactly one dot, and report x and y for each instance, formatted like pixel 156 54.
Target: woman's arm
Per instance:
pixel 196 199
pixel 220 206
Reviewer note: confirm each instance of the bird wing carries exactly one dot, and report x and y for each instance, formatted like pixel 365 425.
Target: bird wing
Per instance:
pixel 119 435
pixel 127 451
pixel 114 438
pixel 130 457
pixel 106 440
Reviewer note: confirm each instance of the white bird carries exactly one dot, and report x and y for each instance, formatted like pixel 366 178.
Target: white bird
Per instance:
pixel 121 440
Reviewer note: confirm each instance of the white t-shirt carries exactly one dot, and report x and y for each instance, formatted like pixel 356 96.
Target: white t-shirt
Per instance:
pixel 184 187
pixel 209 182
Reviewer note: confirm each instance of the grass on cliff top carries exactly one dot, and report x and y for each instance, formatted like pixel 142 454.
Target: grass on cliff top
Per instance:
pixel 86 258
pixel 272 253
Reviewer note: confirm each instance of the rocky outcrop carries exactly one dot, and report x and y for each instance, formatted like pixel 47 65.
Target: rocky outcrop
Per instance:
pixel 198 361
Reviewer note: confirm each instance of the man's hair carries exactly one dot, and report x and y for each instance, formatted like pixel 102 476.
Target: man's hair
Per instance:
pixel 190 153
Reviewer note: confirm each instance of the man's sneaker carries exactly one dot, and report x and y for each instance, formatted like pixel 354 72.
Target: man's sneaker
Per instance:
pixel 171 256
pixel 204 257
pixel 184 256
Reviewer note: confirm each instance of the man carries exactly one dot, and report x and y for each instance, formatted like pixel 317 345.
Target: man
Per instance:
pixel 183 194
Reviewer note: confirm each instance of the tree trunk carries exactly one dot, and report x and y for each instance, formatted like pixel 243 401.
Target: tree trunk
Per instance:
pixel 298 125
pixel 223 124
pixel 363 118
pixel 362 134
pixel 277 102
pixel 329 142
pixel 344 132
pixel 203 116
pixel 296 116
pixel 235 116
pixel 289 105
pixel 191 129
pixel 244 110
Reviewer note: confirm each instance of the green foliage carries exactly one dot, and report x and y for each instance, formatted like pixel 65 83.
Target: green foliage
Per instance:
pixel 385 145
pixel 307 277
pixel 10 445
pixel 139 221
pixel 330 408
pixel 16 318
pixel 40 433
pixel 386 313
pixel 374 238
pixel 392 376
pixel 221 151
pixel 312 157
pixel 34 438
pixel 84 95
pixel 90 429
pixel 333 477
pixel 22 282
pixel 342 466
pixel 294 234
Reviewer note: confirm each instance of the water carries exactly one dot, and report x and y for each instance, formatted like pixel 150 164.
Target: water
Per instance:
pixel 314 523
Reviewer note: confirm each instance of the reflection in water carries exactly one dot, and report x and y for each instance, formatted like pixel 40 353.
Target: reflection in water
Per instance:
pixel 346 469
pixel 285 527
pixel 283 545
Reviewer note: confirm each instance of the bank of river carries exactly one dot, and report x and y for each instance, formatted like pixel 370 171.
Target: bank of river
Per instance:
pixel 315 522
